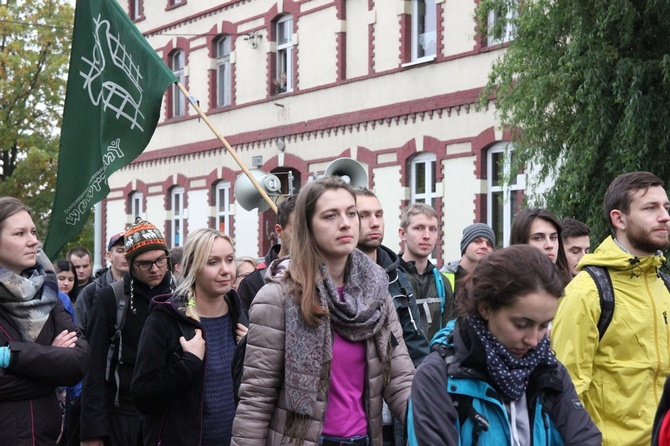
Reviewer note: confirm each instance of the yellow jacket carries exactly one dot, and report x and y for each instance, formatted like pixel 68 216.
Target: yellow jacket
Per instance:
pixel 619 378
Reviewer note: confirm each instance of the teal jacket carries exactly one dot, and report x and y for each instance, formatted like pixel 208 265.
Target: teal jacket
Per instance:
pixel 455 404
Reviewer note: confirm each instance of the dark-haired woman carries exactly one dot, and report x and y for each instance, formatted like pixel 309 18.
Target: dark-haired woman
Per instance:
pixel 67 278
pixel 40 346
pixel 324 344
pixel 540 228
pixel 492 378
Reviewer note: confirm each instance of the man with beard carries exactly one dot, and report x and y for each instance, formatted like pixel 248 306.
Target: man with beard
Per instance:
pixel 619 371
pixel 370 239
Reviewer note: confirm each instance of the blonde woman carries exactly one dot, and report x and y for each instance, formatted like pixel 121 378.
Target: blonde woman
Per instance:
pixel 325 346
pixel 182 384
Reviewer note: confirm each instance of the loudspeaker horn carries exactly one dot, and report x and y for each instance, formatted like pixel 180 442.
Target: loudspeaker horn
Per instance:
pixel 349 170
pixel 248 196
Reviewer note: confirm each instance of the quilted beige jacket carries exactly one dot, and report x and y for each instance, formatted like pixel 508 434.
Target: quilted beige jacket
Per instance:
pixel 261 414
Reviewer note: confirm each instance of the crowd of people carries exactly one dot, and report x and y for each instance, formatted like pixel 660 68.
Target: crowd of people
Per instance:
pixel 334 339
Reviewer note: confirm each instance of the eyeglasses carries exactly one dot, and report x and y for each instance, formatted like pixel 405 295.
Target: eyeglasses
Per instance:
pixel 147 265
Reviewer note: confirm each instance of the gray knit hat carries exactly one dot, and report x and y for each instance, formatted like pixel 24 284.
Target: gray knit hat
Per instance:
pixel 477 230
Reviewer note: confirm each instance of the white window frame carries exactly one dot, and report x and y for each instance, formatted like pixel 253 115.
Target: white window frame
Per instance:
pixel 137 9
pixel 223 212
pixel 223 71
pixel 177 62
pixel 509 193
pixel 510 29
pixel 422 166
pixel 285 51
pixel 178 215
pixel 137 205
pixel 424 29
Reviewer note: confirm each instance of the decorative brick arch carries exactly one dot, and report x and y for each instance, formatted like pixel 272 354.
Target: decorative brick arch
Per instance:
pixel 170 48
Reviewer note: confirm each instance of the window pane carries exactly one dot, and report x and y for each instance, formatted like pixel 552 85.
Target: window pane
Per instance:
pixel 433 186
pixel 420 178
pixel 497 217
pixel 497 169
pixel 284 30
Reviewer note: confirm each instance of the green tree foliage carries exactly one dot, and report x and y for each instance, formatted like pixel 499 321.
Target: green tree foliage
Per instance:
pixel 35 40
pixel 585 84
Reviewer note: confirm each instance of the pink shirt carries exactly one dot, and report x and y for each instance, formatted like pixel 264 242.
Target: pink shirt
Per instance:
pixel 345 413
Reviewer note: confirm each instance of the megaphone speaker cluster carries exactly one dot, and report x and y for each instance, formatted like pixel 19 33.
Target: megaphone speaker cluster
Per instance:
pixel 248 196
pixel 349 170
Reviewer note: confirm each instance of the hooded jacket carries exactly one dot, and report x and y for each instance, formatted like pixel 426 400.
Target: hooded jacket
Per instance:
pixel 405 305
pixel 620 377
pixel 433 417
pixel 98 394
pixel 261 415
pixel 428 298
pixel 168 383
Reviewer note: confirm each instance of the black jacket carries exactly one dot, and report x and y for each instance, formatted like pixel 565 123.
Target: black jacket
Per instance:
pixel 168 383
pixel 98 395
pixel 84 303
pixel 255 281
pixel 405 305
pixel 29 410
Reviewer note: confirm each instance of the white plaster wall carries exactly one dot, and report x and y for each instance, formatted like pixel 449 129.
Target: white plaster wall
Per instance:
pixel 387 188
pixel 198 210
pixel 317 37
pixel 459 27
pixel 357 37
pixel 246 232
pixel 460 187
pixel 155 211
pixel 386 37
pixel 116 219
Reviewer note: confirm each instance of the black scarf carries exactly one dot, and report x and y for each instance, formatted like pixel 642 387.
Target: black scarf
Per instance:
pixel 509 373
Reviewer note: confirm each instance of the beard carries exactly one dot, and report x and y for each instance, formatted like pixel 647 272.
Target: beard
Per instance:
pixel 368 246
pixel 646 241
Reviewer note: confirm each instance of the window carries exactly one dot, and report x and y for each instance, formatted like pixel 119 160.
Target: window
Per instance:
pixel 502 201
pixel 223 207
pixel 423 188
pixel 508 32
pixel 284 76
pixel 424 29
pixel 175 2
pixel 178 99
pixel 223 87
pixel 177 223
pixel 136 205
pixel 135 9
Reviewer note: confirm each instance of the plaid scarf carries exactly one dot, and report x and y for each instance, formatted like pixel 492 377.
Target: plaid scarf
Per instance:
pixel 509 373
pixel 29 298
pixel 360 315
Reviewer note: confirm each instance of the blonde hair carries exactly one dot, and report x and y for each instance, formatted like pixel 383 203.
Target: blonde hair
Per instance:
pixel 196 253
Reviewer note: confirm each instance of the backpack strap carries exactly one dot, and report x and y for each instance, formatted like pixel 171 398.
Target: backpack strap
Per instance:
pixel 603 282
pixel 665 278
pixel 117 338
pixel 463 403
pixel 441 291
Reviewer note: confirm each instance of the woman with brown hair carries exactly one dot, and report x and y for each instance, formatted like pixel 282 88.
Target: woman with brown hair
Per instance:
pixel 540 228
pixel 324 344
pixel 40 346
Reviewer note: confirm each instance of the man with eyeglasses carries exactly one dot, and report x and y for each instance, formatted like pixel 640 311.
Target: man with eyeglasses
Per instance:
pixel 108 416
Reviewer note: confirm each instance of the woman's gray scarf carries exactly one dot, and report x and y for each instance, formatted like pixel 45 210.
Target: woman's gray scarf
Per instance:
pixel 29 298
pixel 308 350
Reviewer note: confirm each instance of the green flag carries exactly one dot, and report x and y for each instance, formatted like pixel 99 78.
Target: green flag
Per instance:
pixel 115 88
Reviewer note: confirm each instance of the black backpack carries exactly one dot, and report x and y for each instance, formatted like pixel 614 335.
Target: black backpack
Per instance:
pixel 603 281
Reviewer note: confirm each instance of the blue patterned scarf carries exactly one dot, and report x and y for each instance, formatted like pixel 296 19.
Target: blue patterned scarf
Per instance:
pixel 509 373
pixel 29 298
